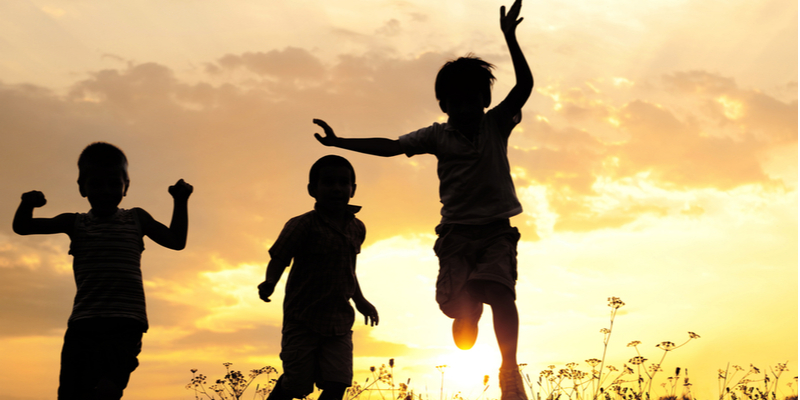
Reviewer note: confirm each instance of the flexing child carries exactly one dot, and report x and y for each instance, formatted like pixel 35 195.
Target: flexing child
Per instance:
pixel 476 244
pixel 317 343
pixel 104 331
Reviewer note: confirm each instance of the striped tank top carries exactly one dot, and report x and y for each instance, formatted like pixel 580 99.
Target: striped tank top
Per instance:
pixel 107 254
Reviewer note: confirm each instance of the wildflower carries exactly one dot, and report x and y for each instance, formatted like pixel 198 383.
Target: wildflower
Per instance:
pixel 638 360
pixel 666 346
pixel 655 368
pixel 615 302
pixel 694 335
pixel 194 370
pixel 593 362
pixel 372 369
pixel 634 343
pixel 738 368
pixel 605 331
pixel 628 370
pixel 391 362
pixel 754 370
pixel 485 380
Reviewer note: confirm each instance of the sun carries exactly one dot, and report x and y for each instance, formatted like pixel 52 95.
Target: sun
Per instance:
pixel 466 371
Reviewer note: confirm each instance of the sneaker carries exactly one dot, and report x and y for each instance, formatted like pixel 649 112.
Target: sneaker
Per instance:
pixel 511 387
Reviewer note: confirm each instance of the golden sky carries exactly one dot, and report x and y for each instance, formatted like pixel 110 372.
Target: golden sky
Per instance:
pixel 656 162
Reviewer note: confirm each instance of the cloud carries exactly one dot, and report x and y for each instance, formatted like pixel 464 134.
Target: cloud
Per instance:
pixel 36 287
pixel 289 63
pixel 600 136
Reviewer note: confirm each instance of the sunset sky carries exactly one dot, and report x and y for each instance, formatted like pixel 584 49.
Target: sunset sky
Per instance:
pixel 656 162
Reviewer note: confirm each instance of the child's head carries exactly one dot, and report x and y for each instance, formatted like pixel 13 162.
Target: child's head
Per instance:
pixel 103 174
pixel 332 181
pixel 466 77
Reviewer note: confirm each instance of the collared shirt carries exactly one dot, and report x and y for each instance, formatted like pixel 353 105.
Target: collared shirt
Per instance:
pixel 107 254
pixel 322 277
pixel 475 185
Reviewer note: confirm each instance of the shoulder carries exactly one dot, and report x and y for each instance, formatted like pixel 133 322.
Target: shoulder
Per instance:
pixel 143 216
pixel 422 140
pixel 299 223
pixel 66 222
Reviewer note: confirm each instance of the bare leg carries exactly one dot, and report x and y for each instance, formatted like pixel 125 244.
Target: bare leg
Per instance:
pixel 506 321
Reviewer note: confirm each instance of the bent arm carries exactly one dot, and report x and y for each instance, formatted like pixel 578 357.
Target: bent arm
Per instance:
pixel 363 306
pixel 275 269
pixel 172 237
pixel 25 224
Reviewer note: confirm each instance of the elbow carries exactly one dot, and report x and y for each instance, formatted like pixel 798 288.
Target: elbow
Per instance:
pixel 19 229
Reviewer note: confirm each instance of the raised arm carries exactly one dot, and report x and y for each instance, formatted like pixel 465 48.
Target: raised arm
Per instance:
pixel 522 89
pixel 173 237
pixel 376 146
pixel 25 224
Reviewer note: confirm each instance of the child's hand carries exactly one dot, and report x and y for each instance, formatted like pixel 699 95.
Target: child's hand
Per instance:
pixel 509 22
pixel 265 289
pixel 34 199
pixel 329 138
pixel 181 190
pixel 368 310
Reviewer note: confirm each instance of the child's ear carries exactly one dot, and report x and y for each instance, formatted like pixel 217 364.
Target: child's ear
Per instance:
pixel 312 190
pixel 353 191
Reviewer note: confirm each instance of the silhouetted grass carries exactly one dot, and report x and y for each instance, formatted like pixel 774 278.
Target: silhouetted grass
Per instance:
pixel 633 381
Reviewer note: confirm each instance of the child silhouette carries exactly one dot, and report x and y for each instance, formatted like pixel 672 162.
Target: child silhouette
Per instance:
pixel 317 344
pixel 105 329
pixel 476 245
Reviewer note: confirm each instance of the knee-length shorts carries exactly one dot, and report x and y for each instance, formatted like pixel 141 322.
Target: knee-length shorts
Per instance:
pixel 310 358
pixel 470 255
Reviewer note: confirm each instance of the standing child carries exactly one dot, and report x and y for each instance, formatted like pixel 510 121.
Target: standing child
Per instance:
pixel 104 331
pixel 476 245
pixel 317 344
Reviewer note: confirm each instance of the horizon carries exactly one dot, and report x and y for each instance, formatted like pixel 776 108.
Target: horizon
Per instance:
pixel 656 162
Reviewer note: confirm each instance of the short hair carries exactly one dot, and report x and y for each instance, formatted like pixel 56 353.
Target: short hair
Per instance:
pixel 468 73
pixel 329 161
pixel 101 154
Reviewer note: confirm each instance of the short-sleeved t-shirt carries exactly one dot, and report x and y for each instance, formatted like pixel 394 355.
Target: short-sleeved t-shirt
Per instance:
pixel 322 277
pixel 475 185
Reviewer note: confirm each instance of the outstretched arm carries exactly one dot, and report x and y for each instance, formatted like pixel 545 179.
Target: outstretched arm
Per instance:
pixel 376 146
pixel 522 89
pixel 275 269
pixel 173 237
pixel 25 224
pixel 366 308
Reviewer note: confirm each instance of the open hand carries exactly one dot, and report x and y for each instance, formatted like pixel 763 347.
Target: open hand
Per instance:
pixel 509 22
pixel 368 310
pixel 329 137
pixel 34 198
pixel 181 190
